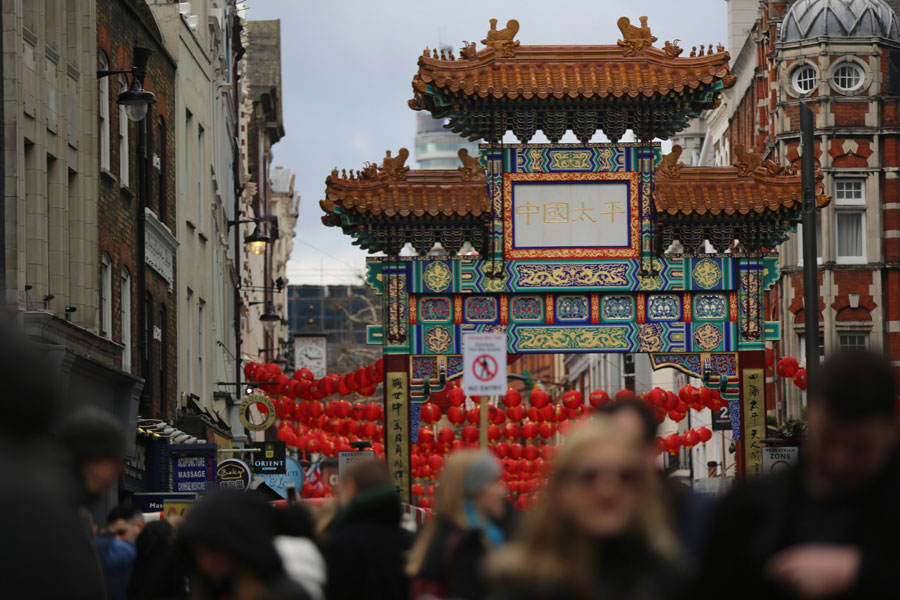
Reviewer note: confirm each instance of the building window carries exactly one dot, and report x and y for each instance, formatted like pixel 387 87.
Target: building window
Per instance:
pixel 853 341
pixel 161 153
pixel 123 137
pixel 818 242
pixel 103 65
pixel 847 77
pixel 802 338
pixel 189 328
pixel 105 296
pixel 201 174
pixel 850 223
pixel 201 341
pixel 804 79
pixel 147 356
pixel 125 314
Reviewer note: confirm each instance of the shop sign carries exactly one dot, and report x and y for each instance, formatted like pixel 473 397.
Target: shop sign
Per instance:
pixel 233 474
pixel 193 472
pixel 269 458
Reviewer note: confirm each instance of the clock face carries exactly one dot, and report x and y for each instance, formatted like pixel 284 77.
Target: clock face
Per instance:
pixel 311 353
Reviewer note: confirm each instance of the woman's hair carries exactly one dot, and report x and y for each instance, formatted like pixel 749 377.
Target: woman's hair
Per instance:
pixel 449 506
pixel 549 545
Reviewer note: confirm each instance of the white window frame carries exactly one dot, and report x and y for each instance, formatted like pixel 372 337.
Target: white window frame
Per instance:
pixel 104 112
pixel 801 337
pixel 123 137
pixel 125 315
pixel 847 205
pixel 105 296
pixel 862 334
pixel 818 242
pixel 201 159
pixel 795 79
pixel 861 76
pixel 201 341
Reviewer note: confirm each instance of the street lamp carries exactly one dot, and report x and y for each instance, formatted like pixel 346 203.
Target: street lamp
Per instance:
pixel 135 99
pixel 257 240
pixel 270 318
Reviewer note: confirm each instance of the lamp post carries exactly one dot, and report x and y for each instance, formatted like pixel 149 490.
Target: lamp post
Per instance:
pixel 257 240
pixel 135 99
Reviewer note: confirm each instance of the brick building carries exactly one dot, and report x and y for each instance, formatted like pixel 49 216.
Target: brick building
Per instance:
pixel 843 60
pixel 137 206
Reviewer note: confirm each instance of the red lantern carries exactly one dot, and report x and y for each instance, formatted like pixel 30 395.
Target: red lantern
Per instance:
pixel 470 433
pixel 656 397
pixel 539 398
pixel 676 415
pixel 704 434
pixel 624 396
pixel 787 366
pixel 456 415
pixel 496 415
pixel 512 398
pixel 473 416
pixel 673 443
pixel 573 399
pixel 417 489
pixel 511 431
pixel 494 433
pixel 516 414
pixel 456 397
pixel 705 396
pixel 800 379
pixel 546 430
pixel 426 435
pixel 435 461
pixel 770 357
pixel 446 435
pixel 671 401
pixel 531 452
pixel 529 431
pixel 598 398
pixel 548 412
pixel 515 453
pixel 691 438
pixel 431 412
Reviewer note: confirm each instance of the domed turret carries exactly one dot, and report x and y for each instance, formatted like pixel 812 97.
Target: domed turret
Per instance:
pixel 809 19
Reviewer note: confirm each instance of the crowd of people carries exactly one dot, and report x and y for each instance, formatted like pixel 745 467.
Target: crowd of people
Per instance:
pixel 609 523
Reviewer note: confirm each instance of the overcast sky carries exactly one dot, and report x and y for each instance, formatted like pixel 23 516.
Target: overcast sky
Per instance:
pixel 346 72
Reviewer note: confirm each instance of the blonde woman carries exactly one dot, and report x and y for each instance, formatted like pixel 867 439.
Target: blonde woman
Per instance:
pixel 446 559
pixel 599 531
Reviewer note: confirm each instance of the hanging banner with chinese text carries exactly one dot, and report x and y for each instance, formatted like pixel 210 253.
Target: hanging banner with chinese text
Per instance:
pixel 396 429
pixel 754 409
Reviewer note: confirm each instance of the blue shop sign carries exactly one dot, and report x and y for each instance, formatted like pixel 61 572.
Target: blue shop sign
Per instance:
pixel 293 476
pixel 153 502
pixel 193 467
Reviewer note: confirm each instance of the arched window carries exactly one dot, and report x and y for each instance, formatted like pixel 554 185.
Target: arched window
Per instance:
pixel 105 296
pixel 123 136
pixel 161 152
pixel 103 82
pixel 125 314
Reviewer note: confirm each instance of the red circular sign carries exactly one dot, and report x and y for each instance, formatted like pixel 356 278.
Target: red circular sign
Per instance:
pixel 484 368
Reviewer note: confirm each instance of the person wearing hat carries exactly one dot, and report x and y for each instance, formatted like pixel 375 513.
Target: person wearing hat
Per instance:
pixel 447 558
pixel 94 442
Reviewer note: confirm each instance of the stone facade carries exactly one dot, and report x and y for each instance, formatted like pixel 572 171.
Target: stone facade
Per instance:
pixel 137 205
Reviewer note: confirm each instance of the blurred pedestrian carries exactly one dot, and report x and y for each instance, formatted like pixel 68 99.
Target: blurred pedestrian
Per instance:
pixel 116 548
pixel 598 531
pixel 446 561
pixel 48 544
pixel 303 562
pixel 364 545
pixel 688 512
pixel 230 539
pixel 828 526
pixel 159 572
pixel 94 443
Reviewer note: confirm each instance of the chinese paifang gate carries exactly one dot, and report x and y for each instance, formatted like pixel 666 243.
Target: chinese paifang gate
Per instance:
pixel 576 243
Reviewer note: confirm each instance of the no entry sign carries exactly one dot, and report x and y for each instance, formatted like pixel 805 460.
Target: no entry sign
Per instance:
pixel 484 362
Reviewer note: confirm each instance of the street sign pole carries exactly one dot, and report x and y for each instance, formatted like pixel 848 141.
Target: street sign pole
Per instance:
pixel 483 424
pixel 810 266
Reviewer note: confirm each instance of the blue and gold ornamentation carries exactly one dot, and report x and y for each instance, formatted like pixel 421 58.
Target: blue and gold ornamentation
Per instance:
pixel 567 275
pixel 435 309
pixel 527 308
pixel 438 340
pixel 481 309
pixel 437 276
pixel 650 337
pixel 708 337
pixel 617 308
pixel 663 308
pixel 572 308
pixel 707 273
pixel 711 306
pixel 554 339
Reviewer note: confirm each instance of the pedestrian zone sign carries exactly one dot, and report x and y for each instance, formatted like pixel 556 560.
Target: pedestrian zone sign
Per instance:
pixel 484 364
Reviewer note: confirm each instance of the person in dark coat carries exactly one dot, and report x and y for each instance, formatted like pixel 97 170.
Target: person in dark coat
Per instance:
pixel 447 560
pixel 48 550
pixel 364 546
pixel 229 536
pixel 599 529
pixel 158 572
pixel 828 526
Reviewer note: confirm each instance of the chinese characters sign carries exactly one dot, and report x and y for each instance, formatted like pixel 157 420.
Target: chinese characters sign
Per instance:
pixel 569 215
pixel 754 408
pixel 396 429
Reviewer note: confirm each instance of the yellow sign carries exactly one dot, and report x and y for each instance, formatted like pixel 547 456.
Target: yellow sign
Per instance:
pixel 176 508
pixel 396 431
pixel 250 401
pixel 754 409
